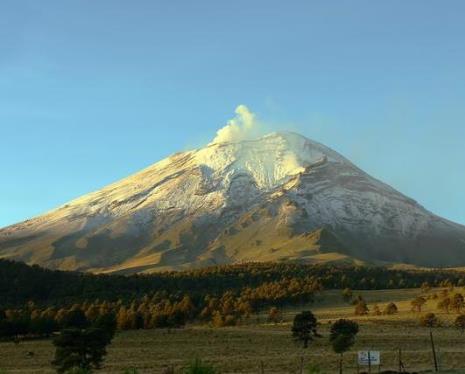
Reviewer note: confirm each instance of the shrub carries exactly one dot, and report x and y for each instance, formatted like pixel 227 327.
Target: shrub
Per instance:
pixel 361 309
pixel 376 310
pixel 275 315
pixel 391 308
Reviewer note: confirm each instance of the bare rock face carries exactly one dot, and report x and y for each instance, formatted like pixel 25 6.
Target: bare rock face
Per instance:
pixel 278 198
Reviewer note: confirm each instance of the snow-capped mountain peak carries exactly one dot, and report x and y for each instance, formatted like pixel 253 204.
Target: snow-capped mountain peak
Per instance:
pixel 276 197
pixel 269 160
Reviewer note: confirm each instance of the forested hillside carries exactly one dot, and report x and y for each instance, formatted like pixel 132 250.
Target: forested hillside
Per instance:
pixel 20 283
pixel 36 302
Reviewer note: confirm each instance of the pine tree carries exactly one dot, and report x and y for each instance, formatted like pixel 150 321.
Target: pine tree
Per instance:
pixel 342 337
pixel 304 327
pixel 80 348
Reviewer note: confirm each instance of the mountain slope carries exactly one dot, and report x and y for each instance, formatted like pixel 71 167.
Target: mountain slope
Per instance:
pixel 278 198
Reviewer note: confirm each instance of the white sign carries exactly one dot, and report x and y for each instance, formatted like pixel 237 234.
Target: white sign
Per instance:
pixel 369 358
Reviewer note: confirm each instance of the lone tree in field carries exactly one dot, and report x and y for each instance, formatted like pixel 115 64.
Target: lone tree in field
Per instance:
pixel 418 303
pixel 342 337
pixel 459 323
pixel 82 348
pixel 391 308
pixel 304 327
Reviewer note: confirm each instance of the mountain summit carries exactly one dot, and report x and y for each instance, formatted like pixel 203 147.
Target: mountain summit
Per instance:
pixel 281 197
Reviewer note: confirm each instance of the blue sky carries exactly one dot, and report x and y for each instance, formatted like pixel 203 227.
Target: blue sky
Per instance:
pixel 91 91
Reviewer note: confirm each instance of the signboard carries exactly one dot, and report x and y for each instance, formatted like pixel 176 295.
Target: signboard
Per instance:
pixel 367 358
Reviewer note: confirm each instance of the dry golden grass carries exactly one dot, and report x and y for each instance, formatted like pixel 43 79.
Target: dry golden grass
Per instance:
pixel 240 349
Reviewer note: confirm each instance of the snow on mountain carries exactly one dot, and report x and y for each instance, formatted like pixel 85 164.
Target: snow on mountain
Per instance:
pixel 281 197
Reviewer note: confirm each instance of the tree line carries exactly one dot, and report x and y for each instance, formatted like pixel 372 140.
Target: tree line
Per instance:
pixel 36 301
pixel 20 283
pixel 159 309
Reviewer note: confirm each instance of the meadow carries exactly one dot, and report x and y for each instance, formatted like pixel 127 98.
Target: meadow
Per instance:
pixel 257 345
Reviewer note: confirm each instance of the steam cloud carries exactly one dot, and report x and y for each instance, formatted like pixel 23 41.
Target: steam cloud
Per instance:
pixel 244 126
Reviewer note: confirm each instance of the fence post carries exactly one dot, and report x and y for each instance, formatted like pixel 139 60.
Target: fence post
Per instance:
pixel 434 350
pixel 439 359
pixel 369 362
pixel 262 369
pixel 301 364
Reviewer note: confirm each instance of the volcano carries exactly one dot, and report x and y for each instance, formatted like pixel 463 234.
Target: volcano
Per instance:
pixel 279 197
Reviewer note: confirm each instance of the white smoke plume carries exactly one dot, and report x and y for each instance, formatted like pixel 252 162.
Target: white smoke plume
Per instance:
pixel 244 126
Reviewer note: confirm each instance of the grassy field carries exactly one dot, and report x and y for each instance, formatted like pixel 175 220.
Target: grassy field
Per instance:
pixel 241 349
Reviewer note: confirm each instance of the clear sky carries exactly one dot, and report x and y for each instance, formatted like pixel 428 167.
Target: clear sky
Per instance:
pixel 91 91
